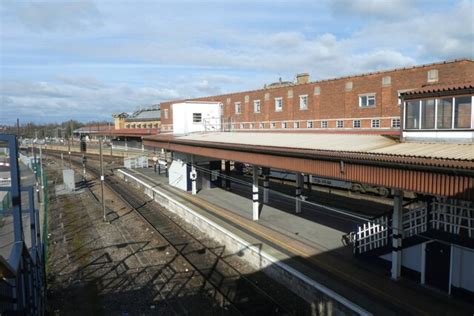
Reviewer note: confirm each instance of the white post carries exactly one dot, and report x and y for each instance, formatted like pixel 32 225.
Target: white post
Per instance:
pixel 299 190
pixel 266 171
pixel 397 234
pixel 255 192
pixel 193 176
pixel 126 147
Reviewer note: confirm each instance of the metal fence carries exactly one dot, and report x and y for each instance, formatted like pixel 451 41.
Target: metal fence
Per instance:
pixel 22 273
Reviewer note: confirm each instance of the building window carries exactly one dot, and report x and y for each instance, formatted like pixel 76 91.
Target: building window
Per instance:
pixel 165 113
pixel 324 124
pixel 252 125
pixel 356 123
pixel 246 99
pixel 272 124
pixel 432 75
pixel 309 124
pixel 267 96
pixel 339 124
pixel 278 104
pixel 256 106
pixel 428 114
pixel 445 113
pixel 241 125
pixel 261 125
pixel 462 112
pixel 396 123
pixel 284 125
pixel 238 108
pixel 386 81
pixel 367 100
pixel 290 94
pixel 375 123
pixel 197 117
pixel 412 115
pixel 296 125
pixel 303 102
pixel 317 90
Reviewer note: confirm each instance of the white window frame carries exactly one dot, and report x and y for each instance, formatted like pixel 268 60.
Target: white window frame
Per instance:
pixel 241 126
pixel 252 125
pixel 368 95
pixel 238 108
pixel 284 125
pixel 358 123
pixel 278 101
pixel 303 102
pixel 272 125
pixel 339 124
pixel 309 124
pixel 324 124
pixel 375 123
pixel 256 106
pixel 432 75
pixel 296 124
pixel 395 125
pixel 261 125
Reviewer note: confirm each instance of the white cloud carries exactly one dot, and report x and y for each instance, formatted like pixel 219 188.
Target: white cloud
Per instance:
pixel 373 8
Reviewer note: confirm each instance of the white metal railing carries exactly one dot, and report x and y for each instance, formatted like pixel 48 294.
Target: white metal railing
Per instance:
pixel 452 215
pixel 135 162
pixel 415 219
pixel 372 235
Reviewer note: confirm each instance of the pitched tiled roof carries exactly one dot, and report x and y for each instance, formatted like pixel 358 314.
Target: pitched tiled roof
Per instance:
pixel 441 88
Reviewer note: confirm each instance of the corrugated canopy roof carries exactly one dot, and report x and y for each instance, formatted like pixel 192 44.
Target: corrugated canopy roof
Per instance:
pixel 371 144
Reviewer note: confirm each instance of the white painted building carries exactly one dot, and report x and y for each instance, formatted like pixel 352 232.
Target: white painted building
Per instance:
pixel 191 117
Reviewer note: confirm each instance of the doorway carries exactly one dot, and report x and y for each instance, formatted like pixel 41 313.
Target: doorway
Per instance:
pixel 438 260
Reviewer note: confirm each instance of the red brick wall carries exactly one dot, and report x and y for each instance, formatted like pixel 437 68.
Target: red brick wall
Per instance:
pixel 334 102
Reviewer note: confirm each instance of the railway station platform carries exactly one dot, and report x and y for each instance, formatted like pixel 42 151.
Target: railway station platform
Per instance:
pixel 310 243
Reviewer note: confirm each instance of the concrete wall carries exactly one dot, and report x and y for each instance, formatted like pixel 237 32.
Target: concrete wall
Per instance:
pixel 411 257
pixel 183 123
pixel 462 275
pixel 178 175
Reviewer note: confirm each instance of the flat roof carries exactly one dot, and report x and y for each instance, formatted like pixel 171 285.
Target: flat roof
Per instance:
pixel 344 143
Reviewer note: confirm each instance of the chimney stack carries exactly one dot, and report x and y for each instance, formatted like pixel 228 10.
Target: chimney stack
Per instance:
pixel 302 78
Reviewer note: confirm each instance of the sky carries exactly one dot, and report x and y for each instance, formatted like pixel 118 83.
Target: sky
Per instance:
pixel 86 60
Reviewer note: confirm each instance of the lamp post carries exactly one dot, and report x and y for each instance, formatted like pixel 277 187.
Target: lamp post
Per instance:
pixel 102 178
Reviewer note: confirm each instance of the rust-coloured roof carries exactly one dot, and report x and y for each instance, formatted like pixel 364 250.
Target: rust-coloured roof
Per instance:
pixel 130 132
pixel 441 88
pixel 358 147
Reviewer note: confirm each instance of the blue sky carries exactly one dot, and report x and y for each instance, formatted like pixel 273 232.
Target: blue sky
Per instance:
pixel 85 60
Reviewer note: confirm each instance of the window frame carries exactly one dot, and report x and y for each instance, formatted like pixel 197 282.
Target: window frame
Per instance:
pixel 375 123
pixel 255 102
pixel 367 95
pixel 284 124
pixel 324 124
pixel 238 105
pixel 358 123
pixel 195 116
pixel 341 125
pixel 280 101
pixel 296 124
pixel 305 105
pixel 309 124
pixel 394 125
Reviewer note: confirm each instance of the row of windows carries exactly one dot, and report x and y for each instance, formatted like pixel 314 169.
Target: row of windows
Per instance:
pixel 150 125
pixel 365 100
pixel 375 123
pixel 444 113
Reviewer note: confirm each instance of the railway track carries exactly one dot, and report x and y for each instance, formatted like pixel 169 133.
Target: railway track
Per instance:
pixel 241 295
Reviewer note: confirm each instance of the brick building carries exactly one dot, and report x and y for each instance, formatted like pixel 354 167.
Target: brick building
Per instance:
pixel 366 103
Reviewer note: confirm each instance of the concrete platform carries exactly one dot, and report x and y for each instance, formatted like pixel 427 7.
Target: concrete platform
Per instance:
pixel 311 245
